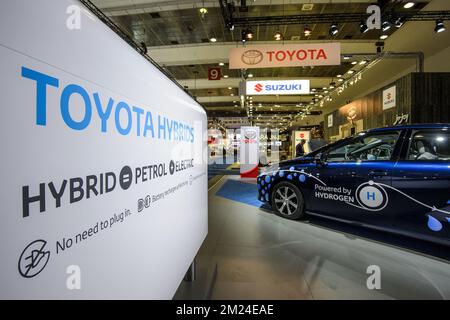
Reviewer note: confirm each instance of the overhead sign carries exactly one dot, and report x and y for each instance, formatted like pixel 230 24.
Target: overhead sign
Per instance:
pixel 278 87
pixel 103 188
pixel 214 73
pixel 389 98
pixel 249 153
pixel 276 56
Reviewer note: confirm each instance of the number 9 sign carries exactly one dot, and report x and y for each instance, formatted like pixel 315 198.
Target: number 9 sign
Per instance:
pixel 214 73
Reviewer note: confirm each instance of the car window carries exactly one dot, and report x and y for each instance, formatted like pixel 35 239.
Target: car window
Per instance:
pixel 429 145
pixel 366 147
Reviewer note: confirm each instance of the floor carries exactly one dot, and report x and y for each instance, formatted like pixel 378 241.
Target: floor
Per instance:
pixel 252 254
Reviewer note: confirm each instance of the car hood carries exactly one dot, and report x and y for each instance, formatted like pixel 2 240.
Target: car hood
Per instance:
pixel 296 161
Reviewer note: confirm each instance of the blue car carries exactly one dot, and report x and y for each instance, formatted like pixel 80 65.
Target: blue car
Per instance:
pixel 395 179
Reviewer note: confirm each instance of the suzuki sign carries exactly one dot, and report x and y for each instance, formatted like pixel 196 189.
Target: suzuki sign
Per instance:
pixel 279 87
pixel 296 55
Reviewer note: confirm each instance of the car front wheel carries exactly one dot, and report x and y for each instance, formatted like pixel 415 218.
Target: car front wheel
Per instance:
pixel 287 201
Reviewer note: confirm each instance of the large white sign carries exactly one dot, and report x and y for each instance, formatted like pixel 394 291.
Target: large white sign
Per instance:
pixel 103 176
pixel 389 98
pixel 294 55
pixel 278 87
pixel 249 153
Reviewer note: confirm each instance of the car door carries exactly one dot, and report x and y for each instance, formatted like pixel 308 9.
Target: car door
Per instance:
pixel 354 182
pixel 421 184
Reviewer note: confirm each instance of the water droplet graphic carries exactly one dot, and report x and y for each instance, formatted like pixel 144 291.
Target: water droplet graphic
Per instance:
pixel 434 224
pixel 289 177
pixel 267 179
pixel 291 168
pixel 281 173
pixel 302 178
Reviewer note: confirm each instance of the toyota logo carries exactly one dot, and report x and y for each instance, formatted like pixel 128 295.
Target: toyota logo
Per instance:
pixel 252 57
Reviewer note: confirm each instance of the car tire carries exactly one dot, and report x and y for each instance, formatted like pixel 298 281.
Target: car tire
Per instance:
pixel 288 201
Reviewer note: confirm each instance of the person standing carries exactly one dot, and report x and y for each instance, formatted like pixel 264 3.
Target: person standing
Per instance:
pixel 300 149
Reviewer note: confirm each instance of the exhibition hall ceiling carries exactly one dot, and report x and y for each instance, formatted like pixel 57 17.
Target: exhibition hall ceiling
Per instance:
pixel 178 37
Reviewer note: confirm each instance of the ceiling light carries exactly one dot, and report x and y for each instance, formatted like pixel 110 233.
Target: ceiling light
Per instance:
pixel 400 22
pixel 351 72
pixel 221 64
pixel 333 29
pixel 229 88
pixel 440 27
pixel 248 34
pixel 339 76
pixel 307 32
pixel 213 40
pixel 363 62
pixel 384 37
pixel 341 80
pixel 225 76
pixel 409 5
pixel 203 11
pixel 363 27
pixel 232 94
pixel 354 62
pixel 278 36
pixel 385 26
pixel 250 75
pixel 346 57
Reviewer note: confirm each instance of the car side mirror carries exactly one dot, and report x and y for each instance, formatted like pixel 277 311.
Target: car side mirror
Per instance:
pixel 320 159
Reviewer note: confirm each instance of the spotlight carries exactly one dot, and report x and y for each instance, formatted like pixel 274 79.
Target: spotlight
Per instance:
pixel 221 64
pixel 203 11
pixel 384 37
pixel 278 36
pixel 409 5
pixel 440 27
pixel 333 29
pixel 363 27
pixel 307 32
pixel 247 34
pixel 385 26
pixel 213 40
pixel 399 22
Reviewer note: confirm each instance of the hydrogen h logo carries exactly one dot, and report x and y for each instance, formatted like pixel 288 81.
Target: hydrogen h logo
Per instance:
pixel 371 196
pixel 258 87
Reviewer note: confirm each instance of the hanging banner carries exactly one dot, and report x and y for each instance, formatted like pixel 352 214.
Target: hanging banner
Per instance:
pixel 278 87
pixel 249 152
pixel 294 55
